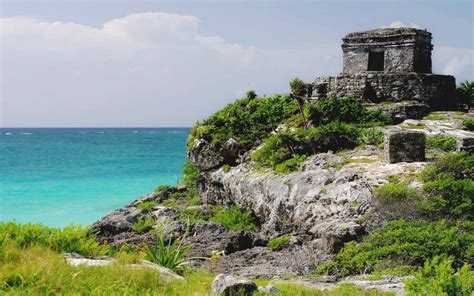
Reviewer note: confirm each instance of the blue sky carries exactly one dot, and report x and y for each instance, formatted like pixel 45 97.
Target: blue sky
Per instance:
pixel 132 63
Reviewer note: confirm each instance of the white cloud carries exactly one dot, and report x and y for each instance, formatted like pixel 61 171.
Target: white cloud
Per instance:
pixel 147 69
pixel 399 24
pixel 458 62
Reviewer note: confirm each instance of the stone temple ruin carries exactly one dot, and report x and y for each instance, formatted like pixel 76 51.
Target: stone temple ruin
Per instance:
pixel 389 65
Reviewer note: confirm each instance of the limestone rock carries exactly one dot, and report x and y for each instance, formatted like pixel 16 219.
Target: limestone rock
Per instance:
pixel 227 285
pixel 268 289
pixel 404 146
pixel 203 155
pixel 230 151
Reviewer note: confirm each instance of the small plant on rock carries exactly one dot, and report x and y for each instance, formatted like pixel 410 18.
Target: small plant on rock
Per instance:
pixel 278 243
pixel 143 224
pixel 147 206
pixel 234 218
pixel 167 251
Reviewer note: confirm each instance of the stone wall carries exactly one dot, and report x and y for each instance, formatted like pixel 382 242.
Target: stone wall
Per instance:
pixel 436 91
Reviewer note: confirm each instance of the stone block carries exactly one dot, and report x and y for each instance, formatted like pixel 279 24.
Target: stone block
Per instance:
pixel 404 146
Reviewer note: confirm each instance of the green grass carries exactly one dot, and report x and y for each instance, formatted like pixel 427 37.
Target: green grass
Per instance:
pixel 62 240
pixel 278 242
pixel 291 289
pixel 37 270
pixel 439 115
pixel 233 218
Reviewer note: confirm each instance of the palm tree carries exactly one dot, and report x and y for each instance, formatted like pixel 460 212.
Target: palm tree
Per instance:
pixel 299 92
pixel 465 93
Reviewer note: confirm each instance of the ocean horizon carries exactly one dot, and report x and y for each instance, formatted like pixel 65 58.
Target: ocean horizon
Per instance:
pixel 62 176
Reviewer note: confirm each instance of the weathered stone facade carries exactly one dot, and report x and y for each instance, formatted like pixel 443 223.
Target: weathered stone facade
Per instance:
pixel 389 65
pixel 400 50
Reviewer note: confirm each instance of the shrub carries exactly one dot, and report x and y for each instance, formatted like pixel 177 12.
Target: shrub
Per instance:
pixel 468 124
pixel 290 165
pixel 404 243
pixel 450 198
pixel 143 224
pixel 147 205
pixel 71 239
pixel 163 188
pixel 443 142
pixel 233 219
pixel 398 200
pixel 336 136
pixel 456 165
pixel 450 186
pixel 346 109
pixel 247 121
pixel 438 277
pixel 278 243
pixel 371 136
pixel 285 151
pixel 190 174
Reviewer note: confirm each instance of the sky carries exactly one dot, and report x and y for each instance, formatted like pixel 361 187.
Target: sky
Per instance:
pixel 133 63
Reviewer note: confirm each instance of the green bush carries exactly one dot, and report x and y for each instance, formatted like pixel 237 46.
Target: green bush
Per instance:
pixel 395 191
pixel 438 277
pixel 143 224
pixel 456 165
pixel 190 174
pixel 233 218
pixel 346 109
pixel 398 200
pixel 468 124
pixel 278 243
pixel 404 243
pixel 449 184
pixel 450 198
pixel 371 136
pixel 71 239
pixel 285 150
pixel 163 188
pixel 290 165
pixel 443 142
pixel 147 205
pixel 245 120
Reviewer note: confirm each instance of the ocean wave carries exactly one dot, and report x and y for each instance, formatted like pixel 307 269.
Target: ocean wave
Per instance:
pixel 8 134
pixel 176 132
pixel 135 132
pixel 26 133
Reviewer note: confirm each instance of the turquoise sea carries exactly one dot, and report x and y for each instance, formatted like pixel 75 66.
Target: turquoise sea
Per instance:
pixel 62 176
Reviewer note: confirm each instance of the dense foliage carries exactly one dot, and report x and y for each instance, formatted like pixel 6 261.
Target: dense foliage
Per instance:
pixel 449 184
pixel 438 277
pixel 246 120
pixel 346 109
pixel 285 150
pixel 443 142
pixel 404 243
